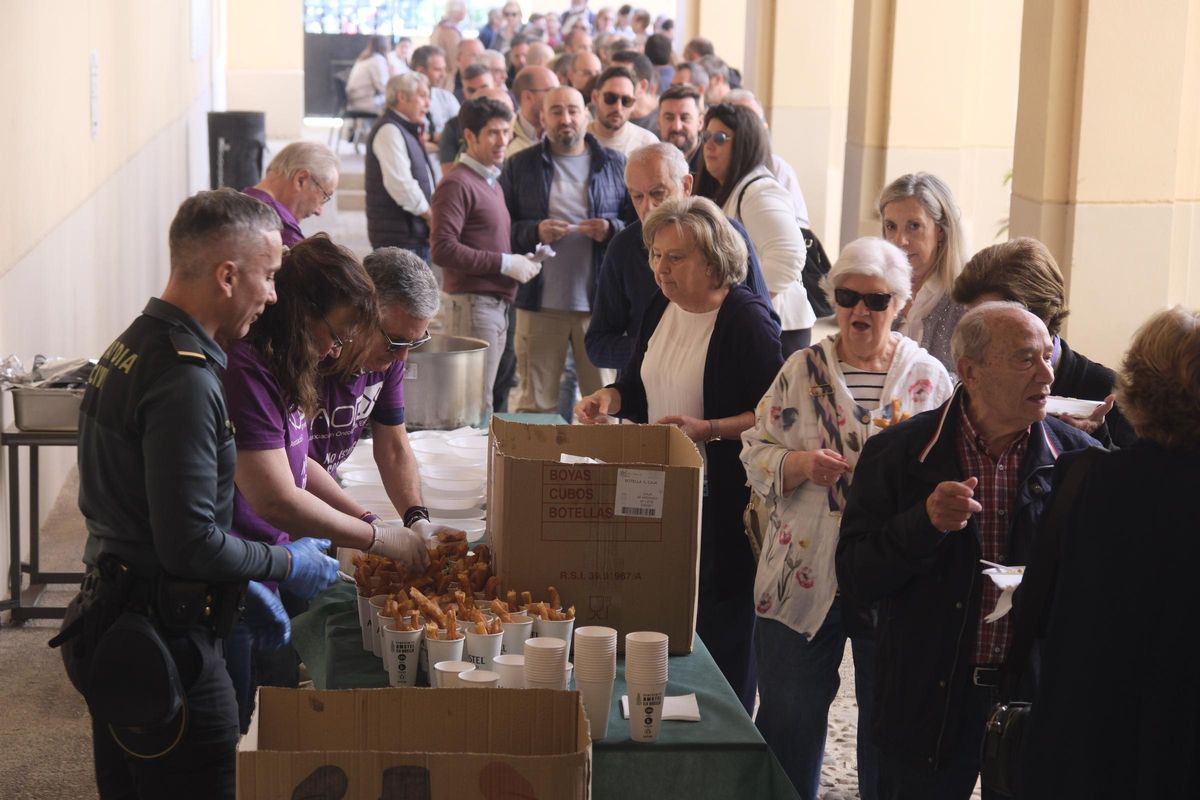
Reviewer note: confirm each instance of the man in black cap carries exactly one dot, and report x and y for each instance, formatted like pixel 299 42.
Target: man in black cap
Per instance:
pixel 165 581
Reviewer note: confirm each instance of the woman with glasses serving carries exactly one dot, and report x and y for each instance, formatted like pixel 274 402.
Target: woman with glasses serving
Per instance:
pixel 736 175
pixel 809 429
pixel 324 301
pixel 366 385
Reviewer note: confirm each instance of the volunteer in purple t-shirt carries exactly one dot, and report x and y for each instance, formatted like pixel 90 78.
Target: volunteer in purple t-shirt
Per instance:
pixel 369 386
pixel 298 183
pixel 324 298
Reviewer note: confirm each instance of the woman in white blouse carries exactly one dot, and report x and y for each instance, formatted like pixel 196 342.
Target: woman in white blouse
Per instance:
pixel 921 218
pixel 736 175
pixel 809 429
pixel 366 86
pixel 707 349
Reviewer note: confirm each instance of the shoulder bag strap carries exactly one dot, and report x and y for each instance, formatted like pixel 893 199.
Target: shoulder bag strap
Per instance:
pixel 742 193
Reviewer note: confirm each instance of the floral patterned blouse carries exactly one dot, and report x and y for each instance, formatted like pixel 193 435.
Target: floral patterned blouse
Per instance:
pixel 809 407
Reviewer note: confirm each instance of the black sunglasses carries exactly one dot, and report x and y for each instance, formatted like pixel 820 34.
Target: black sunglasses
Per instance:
pixel 404 344
pixel 848 298
pixel 612 98
pixel 719 138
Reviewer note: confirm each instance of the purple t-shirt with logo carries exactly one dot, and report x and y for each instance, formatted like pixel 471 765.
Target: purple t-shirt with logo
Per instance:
pixel 347 406
pixel 264 420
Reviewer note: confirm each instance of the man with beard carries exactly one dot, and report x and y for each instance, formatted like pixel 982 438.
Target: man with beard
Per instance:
pixel 568 192
pixel 680 117
pixel 614 98
pixel 530 87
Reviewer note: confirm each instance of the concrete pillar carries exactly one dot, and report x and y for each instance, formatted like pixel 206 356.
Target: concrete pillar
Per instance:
pixel 933 87
pixel 1107 160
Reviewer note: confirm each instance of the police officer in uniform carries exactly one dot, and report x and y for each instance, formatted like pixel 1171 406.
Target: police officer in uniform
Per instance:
pixel 165 582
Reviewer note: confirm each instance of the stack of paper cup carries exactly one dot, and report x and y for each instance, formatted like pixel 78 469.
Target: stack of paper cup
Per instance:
pixel 545 663
pixel 646 676
pixel 595 671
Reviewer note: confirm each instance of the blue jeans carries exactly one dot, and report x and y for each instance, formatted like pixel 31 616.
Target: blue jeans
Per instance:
pixel 797 681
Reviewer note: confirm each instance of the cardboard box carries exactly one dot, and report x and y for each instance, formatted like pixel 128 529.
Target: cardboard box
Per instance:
pixel 434 744
pixel 620 540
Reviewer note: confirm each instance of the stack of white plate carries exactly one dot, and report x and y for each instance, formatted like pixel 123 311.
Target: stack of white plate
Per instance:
pixel 453 478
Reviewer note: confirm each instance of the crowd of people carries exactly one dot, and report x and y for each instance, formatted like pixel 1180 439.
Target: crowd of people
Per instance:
pixel 612 219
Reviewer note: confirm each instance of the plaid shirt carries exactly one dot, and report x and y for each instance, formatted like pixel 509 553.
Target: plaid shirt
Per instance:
pixel 996 492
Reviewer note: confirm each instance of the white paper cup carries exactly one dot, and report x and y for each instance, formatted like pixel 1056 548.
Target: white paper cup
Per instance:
pixel 597 701
pixel 364 621
pixel 436 650
pixel 645 710
pixel 447 672
pixel 646 657
pixel 515 635
pixel 567 672
pixel 479 679
pixel 558 628
pixel 595 654
pixel 481 648
pixel 376 608
pixel 545 662
pixel 402 651
pixel 511 669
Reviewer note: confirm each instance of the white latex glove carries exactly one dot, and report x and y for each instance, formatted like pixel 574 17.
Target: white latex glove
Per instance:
pixel 521 269
pixel 400 544
pixel 430 531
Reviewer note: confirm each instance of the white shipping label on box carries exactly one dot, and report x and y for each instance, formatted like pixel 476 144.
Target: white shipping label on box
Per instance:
pixel 640 493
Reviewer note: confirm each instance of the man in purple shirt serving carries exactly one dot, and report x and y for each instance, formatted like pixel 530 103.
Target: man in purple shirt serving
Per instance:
pixel 369 386
pixel 300 180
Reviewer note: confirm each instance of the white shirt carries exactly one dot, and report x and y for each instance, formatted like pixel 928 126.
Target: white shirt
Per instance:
pixel 787 176
pixel 398 180
pixel 673 367
pixel 396 64
pixel 365 86
pixel 443 106
pixel 626 140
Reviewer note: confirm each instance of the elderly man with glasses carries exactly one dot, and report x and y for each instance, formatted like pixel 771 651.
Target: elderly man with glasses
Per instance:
pixel 366 383
pixel 298 183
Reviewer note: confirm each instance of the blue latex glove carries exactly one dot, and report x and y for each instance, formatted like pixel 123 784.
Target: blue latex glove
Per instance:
pixel 267 620
pixel 312 571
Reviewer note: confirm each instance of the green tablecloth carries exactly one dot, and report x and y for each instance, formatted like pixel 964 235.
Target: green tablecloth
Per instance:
pixel 722 756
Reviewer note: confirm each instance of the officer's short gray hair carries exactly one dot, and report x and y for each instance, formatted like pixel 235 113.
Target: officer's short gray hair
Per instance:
pixel 404 84
pixel 403 279
pixel 972 338
pixel 677 166
pixel 314 157
pixel 222 218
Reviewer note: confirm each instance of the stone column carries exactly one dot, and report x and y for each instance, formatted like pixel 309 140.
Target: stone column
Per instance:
pixel 1107 160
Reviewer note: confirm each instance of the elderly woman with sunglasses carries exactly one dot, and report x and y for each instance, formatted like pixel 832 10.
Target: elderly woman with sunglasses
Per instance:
pixel 736 175
pixel 324 300
pixel 367 386
pixel 809 430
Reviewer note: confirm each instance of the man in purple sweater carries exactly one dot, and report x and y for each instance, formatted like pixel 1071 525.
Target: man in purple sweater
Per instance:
pixel 470 236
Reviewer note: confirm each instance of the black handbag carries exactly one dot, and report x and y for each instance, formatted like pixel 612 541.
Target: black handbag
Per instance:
pixel 1000 770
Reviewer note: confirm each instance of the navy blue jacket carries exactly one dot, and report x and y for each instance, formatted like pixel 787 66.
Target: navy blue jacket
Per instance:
pixel 526 182
pixel 626 287
pixel 928 584
pixel 743 358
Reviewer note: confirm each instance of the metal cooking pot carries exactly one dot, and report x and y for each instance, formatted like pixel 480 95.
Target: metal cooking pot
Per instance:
pixel 443 384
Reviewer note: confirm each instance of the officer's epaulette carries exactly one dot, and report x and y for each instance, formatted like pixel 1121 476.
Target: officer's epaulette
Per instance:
pixel 187 347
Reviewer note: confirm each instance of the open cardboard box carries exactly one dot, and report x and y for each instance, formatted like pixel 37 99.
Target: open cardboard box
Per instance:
pixel 433 744
pixel 620 540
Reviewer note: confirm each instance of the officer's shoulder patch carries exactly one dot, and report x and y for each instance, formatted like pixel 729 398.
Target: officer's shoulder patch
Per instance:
pixel 187 347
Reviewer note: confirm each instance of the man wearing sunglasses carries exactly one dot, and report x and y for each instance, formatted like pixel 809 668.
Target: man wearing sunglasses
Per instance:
pixel 298 183
pixel 367 385
pixel 614 96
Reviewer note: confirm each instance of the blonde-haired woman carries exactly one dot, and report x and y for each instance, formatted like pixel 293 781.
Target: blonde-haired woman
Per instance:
pixel 920 217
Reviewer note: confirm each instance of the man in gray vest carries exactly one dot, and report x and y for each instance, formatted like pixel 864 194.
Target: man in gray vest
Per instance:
pixel 399 175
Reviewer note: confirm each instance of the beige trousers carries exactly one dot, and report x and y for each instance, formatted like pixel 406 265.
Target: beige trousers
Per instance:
pixel 541 343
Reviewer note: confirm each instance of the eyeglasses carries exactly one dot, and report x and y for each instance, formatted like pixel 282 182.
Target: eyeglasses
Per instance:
pixel 328 195
pixel 718 139
pixel 338 341
pixel 394 345
pixel 516 14
pixel 612 98
pixel 848 298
